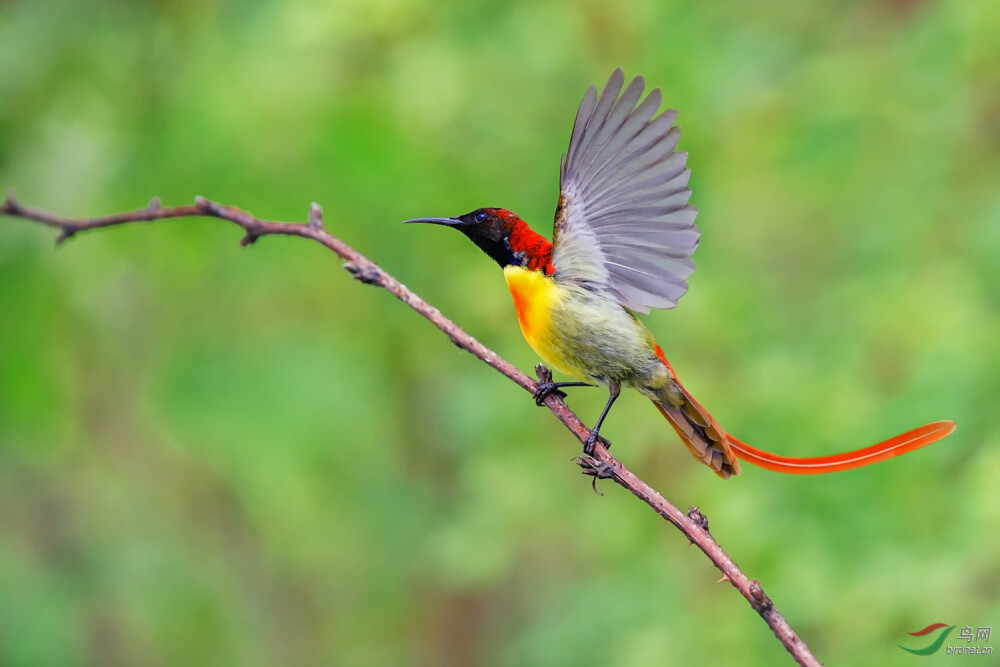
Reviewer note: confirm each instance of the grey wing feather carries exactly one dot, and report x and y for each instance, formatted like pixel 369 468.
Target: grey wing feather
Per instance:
pixel 623 219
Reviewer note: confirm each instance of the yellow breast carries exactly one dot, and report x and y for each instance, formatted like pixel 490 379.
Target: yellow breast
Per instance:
pixel 535 295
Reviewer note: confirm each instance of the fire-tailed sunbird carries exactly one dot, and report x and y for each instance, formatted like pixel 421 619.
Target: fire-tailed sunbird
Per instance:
pixel 622 244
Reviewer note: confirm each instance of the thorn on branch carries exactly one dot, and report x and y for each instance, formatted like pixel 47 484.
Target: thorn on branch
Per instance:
pixel 543 373
pixel 760 597
pixel 596 469
pixel 65 233
pixel 154 204
pixel 249 239
pixel 315 216
pixel 218 210
pixel 10 205
pixel 368 274
pixel 250 224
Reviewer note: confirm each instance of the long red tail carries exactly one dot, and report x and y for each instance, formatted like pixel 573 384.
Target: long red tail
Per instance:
pixel 901 444
pixel 719 450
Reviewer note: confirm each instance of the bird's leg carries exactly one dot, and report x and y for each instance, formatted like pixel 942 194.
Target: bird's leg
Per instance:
pixel 548 388
pixel 588 447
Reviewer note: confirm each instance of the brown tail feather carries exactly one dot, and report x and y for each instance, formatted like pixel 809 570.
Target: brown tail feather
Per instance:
pixel 703 436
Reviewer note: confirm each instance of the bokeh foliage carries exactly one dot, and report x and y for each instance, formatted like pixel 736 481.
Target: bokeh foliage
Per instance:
pixel 216 455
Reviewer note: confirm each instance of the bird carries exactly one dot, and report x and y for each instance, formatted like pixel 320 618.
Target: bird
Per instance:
pixel 622 243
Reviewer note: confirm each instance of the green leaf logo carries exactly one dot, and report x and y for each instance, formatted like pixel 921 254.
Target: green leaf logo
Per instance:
pixel 934 645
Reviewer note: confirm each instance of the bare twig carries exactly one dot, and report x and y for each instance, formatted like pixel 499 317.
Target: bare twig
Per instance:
pixel 694 524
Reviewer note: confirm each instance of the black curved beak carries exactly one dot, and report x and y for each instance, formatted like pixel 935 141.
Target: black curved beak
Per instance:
pixel 450 222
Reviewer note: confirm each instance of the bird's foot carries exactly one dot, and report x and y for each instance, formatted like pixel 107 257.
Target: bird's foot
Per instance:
pixel 596 469
pixel 546 389
pixel 592 440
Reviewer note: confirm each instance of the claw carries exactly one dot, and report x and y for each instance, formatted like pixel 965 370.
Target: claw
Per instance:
pixel 545 389
pixel 596 469
pixel 592 440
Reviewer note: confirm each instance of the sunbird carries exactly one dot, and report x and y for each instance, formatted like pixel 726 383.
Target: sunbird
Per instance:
pixel 622 243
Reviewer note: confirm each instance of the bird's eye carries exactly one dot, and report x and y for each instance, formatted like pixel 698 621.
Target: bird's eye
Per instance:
pixel 481 216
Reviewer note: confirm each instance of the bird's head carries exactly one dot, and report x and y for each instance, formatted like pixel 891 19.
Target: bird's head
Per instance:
pixel 502 235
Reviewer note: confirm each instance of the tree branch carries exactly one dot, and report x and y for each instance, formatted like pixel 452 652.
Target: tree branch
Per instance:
pixel 693 524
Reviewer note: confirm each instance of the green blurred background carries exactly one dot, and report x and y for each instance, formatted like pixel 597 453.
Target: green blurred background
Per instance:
pixel 216 455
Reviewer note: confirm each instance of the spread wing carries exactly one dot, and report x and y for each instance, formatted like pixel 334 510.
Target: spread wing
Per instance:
pixel 623 220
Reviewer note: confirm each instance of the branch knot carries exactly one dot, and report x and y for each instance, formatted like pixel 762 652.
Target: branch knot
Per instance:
pixel 315 216
pixel 695 515
pixel 760 598
pixel 10 205
pixel 369 274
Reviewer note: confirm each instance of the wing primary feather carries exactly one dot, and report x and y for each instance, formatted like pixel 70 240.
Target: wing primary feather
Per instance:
pixel 623 222
pixel 640 300
pixel 603 108
pixel 645 150
pixel 666 186
pixel 675 183
pixel 621 268
pixel 617 117
pixel 632 125
pixel 641 200
pixel 672 238
pixel 658 160
pixel 651 137
pixel 583 117
pixel 647 163
pixel 685 214
pixel 652 252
